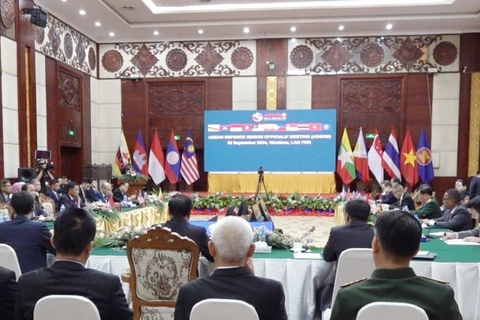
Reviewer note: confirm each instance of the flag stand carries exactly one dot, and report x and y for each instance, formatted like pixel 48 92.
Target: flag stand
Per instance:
pixel 260 183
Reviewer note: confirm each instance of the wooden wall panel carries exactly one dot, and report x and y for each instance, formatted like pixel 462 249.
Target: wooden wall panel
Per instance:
pixel 134 112
pixel 470 51
pixel 418 112
pixel 52 113
pixel 86 122
pixel 219 94
pixel 2 164
pixel 325 93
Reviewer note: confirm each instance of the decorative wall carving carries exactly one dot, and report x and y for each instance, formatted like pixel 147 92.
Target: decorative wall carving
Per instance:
pixel 369 96
pixel 69 91
pixel 7 13
pixel 178 59
pixel 176 99
pixel 66 45
pixel 92 59
pixel 362 55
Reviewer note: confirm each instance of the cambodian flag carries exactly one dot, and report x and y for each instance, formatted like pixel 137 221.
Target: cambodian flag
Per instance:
pixel 140 163
pixel 172 163
pixel 391 157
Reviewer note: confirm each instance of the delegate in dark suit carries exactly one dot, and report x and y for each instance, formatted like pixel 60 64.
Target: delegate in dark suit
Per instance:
pixel 405 200
pixel 475 187
pixel 389 198
pixel 99 196
pixel 196 233
pixel 55 197
pixel 265 295
pixel 30 240
pixel 398 285
pixel 458 220
pixel 68 202
pixel 118 195
pixel 8 294
pixel 72 278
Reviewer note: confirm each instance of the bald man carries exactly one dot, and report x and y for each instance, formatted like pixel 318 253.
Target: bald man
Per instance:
pixel 104 194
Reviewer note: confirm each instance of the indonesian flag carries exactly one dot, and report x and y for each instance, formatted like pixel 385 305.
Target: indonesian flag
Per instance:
pixel 156 161
pixel 122 158
pixel 391 157
pixel 189 166
pixel 345 164
pixel 375 155
pixel 360 158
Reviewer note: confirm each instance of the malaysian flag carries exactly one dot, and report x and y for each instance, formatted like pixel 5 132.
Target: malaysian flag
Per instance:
pixel 189 167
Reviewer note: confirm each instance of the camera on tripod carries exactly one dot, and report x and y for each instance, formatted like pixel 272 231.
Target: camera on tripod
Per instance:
pixel 260 170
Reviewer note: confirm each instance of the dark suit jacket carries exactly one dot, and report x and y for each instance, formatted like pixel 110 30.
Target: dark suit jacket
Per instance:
pixel 67 202
pixel 118 195
pixel 389 198
pixel 98 196
pixel 30 240
pixel 71 278
pixel 89 193
pixel 460 220
pixel 406 200
pixel 55 197
pixel 8 294
pixel 265 295
pixel 38 209
pixel 475 188
pixel 196 233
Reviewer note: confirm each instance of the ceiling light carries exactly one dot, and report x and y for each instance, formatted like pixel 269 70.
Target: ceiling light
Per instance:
pixel 293 40
pixel 339 39
pixel 293 29
pixel 111 34
pixel 389 26
pixel 341 28
pixel 200 31
pixel 246 30
pixel 82 12
pixel 98 24
pixel 155 32
pixel 64 0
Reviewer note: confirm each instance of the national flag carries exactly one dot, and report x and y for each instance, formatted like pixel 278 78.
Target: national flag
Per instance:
pixel 111 202
pixel 360 158
pixel 156 161
pixel 213 128
pixel 375 155
pixel 345 162
pixel 189 166
pixel 408 160
pixel 122 158
pixel 172 163
pixel 140 156
pixel 424 159
pixel 391 157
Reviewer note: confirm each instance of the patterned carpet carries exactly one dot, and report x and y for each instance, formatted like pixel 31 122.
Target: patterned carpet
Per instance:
pixel 297 226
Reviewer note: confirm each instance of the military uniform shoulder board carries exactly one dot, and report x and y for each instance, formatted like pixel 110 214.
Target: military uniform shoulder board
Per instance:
pixel 352 283
pixel 431 279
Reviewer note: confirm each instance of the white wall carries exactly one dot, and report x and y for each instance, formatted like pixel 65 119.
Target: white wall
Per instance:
pixel 244 93
pixel 41 101
pixel 299 92
pixel 445 121
pixel 11 149
pixel 106 113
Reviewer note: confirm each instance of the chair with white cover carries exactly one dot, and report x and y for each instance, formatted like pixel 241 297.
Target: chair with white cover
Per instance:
pixel 220 309
pixel 391 311
pixel 9 260
pixel 353 264
pixel 61 307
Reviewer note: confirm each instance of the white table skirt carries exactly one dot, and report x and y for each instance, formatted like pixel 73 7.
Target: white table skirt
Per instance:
pixel 297 278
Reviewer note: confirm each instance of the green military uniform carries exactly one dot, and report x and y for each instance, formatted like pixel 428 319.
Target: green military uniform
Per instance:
pixel 431 210
pixel 399 285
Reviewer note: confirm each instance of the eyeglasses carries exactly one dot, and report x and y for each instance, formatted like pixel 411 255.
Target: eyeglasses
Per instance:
pixel 446 199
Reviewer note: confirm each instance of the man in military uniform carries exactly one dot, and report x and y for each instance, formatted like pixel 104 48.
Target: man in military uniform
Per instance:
pixel 396 242
pixel 430 208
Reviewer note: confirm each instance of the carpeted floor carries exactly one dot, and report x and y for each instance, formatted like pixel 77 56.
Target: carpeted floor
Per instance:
pixel 298 226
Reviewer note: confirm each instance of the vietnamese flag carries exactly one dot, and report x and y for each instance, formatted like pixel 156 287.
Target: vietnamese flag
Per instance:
pixel 345 162
pixel 408 160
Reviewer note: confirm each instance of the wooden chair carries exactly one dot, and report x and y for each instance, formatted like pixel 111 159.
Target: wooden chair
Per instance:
pixel 48 205
pixel 160 263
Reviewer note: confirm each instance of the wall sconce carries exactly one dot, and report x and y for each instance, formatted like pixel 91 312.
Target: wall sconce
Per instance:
pixel 271 64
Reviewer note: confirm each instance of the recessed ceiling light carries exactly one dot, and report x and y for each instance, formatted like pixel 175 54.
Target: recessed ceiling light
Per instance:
pixel 246 30
pixel 82 12
pixel 155 32
pixel 293 29
pixel 64 0
pixel 339 39
pixel 112 34
pixel 389 26
pixel 200 31
pixel 98 24
pixel 293 40
pixel 341 28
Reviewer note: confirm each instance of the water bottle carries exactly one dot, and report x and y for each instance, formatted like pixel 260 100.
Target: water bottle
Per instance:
pixel 405 208
pixel 62 207
pixel 262 237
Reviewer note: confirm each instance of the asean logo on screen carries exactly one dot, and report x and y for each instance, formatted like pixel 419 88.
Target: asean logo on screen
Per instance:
pixel 424 156
pixel 257 117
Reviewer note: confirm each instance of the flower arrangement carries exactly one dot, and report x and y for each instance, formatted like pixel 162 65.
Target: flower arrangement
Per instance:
pixel 274 239
pixel 132 176
pixel 106 213
pixel 118 239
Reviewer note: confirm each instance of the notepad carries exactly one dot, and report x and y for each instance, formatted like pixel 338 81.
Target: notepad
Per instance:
pixel 422 253
pixel 460 242
pixel 310 256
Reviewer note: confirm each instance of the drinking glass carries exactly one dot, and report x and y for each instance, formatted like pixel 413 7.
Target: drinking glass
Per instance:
pixel 310 238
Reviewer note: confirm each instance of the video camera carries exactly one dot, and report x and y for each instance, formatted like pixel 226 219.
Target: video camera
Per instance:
pixel 43 159
pixel 261 171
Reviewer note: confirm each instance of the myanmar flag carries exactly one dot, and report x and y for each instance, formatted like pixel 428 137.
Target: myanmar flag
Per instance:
pixel 345 162
pixel 408 161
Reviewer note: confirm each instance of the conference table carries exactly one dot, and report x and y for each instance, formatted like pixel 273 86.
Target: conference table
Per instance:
pixel 459 265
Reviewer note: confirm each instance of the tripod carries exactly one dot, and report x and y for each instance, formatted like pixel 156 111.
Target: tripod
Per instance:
pixel 260 183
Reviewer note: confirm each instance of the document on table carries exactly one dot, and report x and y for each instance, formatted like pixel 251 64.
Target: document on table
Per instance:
pixel 422 253
pixel 311 256
pixel 460 242
pixel 438 234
